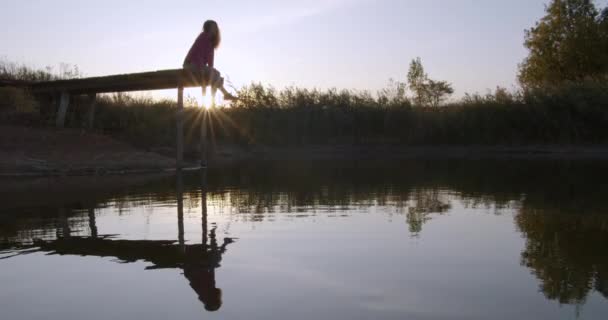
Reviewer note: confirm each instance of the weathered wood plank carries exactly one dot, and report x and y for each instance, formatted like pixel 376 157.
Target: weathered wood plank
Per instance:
pixel 157 80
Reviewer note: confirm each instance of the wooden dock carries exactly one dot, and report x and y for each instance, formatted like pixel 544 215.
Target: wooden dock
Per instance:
pixel 63 90
pixel 156 80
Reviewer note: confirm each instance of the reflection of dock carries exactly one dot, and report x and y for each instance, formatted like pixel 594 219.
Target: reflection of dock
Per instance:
pixel 198 261
pixel 161 253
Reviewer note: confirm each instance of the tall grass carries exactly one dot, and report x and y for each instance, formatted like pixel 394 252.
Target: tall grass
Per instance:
pixel 19 106
pixel 18 71
pixel 569 114
pixel 572 113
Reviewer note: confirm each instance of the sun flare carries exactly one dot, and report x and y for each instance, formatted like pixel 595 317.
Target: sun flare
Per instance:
pixel 196 98
pixel 206 101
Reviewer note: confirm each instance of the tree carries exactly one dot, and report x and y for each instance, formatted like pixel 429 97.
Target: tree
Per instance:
pixel 426 92
pixel 603 24
pixel 567 44
pixel 438 92
pixel 394 93
pixel 416 79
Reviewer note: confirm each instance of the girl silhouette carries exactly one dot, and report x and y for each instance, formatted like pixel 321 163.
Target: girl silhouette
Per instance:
pixel 201 58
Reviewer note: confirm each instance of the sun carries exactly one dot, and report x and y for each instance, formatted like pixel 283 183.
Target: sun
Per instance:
pixel 205 101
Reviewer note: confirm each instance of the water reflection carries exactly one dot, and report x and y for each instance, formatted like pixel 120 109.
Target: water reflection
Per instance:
pixel 562 217
pixel 566 252
pixel 426 203
pixel 198 261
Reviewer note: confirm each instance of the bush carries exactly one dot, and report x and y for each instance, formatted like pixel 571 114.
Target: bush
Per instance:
pixel 569 114
pixel 17 105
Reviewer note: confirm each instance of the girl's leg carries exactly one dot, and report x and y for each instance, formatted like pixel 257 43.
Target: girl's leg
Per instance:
pixel 209 76
pixel 204 81
pixel 217 82
pixel 225 93
pixel 213 82
pixel 213 93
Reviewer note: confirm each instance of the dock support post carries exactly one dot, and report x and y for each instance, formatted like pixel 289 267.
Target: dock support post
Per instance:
pixel 65 223
pixel 64 102
pixel 92 223
pixel 179 145
pixel 91 113
pixel 180 209
pixel 203 141
pixel 204 206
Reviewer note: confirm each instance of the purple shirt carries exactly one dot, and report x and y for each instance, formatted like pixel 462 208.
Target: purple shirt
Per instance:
pixel 202 52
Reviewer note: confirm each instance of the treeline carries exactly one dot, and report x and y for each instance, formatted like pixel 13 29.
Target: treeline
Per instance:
pixel 572 113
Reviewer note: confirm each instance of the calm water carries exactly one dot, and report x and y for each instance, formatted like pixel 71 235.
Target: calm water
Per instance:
pixel 408 240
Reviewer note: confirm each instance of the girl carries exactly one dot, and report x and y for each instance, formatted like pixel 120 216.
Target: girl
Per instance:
pixel 201 56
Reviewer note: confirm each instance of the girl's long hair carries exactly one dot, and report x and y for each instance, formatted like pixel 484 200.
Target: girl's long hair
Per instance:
pixel 213 30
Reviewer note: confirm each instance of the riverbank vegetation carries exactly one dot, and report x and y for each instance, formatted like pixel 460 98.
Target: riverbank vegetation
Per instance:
pixel 571 113
pixel 563 99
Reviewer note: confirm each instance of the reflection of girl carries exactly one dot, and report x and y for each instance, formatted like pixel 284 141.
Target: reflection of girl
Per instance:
pixel 200 272
pixel 202 280
pixel 202 55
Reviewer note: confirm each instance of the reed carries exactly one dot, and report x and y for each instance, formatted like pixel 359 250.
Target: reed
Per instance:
pixel 569 113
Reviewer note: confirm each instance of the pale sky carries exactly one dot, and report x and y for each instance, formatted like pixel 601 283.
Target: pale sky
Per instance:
pixel 354 44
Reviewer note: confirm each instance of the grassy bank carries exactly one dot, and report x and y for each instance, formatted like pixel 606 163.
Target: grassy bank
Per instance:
pixel 569 114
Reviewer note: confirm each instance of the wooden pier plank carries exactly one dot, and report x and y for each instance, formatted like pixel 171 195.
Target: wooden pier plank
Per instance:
pixel 156 80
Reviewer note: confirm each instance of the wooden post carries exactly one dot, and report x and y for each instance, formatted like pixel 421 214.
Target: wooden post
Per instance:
pixel 179 145
pixel 180 209
pixel 65 223
pixel 64 102
pixel 91 112
pixel 203 141
pixel 92 223
pixel 204 205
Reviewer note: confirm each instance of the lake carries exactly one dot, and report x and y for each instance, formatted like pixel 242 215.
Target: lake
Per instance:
pixel 415 239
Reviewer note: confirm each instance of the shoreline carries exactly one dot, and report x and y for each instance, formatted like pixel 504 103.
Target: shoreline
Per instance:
pixel 226 156
pixel 48 152
pixel 431 152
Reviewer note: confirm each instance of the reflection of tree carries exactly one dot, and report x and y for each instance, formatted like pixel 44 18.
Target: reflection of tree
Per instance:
pixel 566 252
pixel 563 250
pixel 426 203
pixel 601 281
